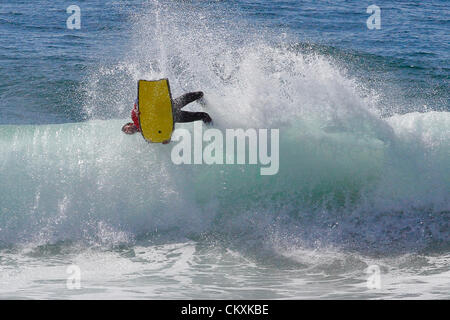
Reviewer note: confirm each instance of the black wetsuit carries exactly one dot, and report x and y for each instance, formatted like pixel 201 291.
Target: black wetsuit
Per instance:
pixel 187 116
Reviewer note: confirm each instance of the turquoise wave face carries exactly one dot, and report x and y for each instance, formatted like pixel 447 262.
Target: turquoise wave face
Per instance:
pixel 74 181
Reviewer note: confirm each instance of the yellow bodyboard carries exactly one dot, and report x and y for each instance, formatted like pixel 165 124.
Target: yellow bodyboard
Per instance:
pixel 155 107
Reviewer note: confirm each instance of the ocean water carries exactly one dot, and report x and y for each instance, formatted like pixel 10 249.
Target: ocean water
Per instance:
pixel 364 179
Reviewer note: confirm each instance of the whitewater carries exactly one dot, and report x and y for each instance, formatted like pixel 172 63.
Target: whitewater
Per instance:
pixel 360 184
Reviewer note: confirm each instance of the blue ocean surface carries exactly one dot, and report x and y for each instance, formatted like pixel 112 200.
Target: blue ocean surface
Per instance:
pixel 364 179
